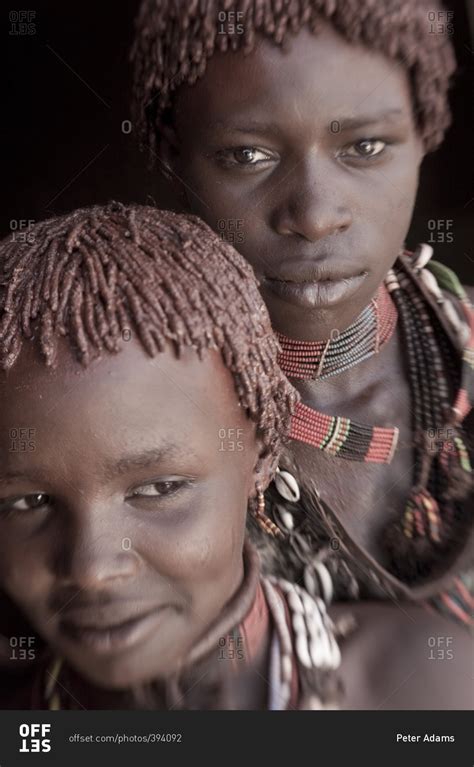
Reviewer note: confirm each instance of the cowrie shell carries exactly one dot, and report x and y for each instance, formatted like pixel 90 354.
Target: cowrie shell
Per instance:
pixel 422 255
pixel 287 486
pixel 302 651
pixel 284 517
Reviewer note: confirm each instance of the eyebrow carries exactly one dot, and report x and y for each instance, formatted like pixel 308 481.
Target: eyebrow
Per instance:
pixel 143 460
pixel 249 126
pixel 13 476
pixel 350 123
pixel 345 123
pixel 111 469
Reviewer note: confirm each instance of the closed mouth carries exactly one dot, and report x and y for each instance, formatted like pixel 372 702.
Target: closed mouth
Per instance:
pixel 325 280
pixel 312 292
pixel 85 626
pixel 117 636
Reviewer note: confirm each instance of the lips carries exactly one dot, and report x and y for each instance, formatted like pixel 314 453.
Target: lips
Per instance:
pixel 322 267
pixel 106 630
pixel 313 294
pixel 105 617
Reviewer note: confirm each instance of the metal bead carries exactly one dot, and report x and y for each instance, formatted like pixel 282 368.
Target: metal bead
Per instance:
pixel 287 486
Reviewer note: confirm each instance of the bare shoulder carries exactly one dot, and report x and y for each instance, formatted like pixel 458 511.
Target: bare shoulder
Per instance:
pixel 404 657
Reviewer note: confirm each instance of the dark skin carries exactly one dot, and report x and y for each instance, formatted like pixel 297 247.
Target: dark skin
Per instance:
pixel 127 450
pixel 319 168
pixel 108 463
pixel 404 658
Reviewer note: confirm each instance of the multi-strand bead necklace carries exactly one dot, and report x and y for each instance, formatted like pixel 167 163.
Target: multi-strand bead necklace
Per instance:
pixel 433 337
pixel 317 360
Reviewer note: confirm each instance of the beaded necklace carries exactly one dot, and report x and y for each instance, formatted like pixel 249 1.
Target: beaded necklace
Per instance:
pixel 317 360
pixel 308 360
pixel 433 334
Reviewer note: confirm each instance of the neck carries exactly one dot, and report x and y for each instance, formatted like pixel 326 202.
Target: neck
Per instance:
pixel 316 324
pixel 317 360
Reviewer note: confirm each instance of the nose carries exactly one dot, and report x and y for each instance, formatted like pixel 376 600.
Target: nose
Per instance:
pixel 96 552
pixel 312 208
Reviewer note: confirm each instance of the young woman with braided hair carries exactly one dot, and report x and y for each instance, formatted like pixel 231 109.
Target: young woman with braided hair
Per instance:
pixel 142 414
pixel 298 128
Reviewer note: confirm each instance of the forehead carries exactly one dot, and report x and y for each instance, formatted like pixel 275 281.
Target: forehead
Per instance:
pixel 320 76
pixel 123 399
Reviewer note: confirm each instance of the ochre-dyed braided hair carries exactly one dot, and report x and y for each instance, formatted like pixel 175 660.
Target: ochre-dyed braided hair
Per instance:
pixel 175 38
pixel 101 274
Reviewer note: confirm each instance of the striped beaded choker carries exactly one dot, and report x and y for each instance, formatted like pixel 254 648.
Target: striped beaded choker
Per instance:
pixel 316 360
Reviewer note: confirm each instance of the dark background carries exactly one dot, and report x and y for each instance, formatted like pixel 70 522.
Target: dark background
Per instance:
pixel 67 95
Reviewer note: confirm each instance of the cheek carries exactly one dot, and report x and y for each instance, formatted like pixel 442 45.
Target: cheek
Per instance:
pixel 205 542
pixel 397 187
pixel 219 198
pixel 23 575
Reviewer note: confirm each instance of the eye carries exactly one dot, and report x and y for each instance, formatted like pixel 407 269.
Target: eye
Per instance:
pixel 162 489
pixel 366 148
pixel 244 155
pixel 25 503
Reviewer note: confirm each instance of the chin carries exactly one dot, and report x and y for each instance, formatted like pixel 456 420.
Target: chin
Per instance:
pixel 119 676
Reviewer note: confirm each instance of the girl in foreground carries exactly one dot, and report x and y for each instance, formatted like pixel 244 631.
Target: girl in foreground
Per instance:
pixel 142 413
